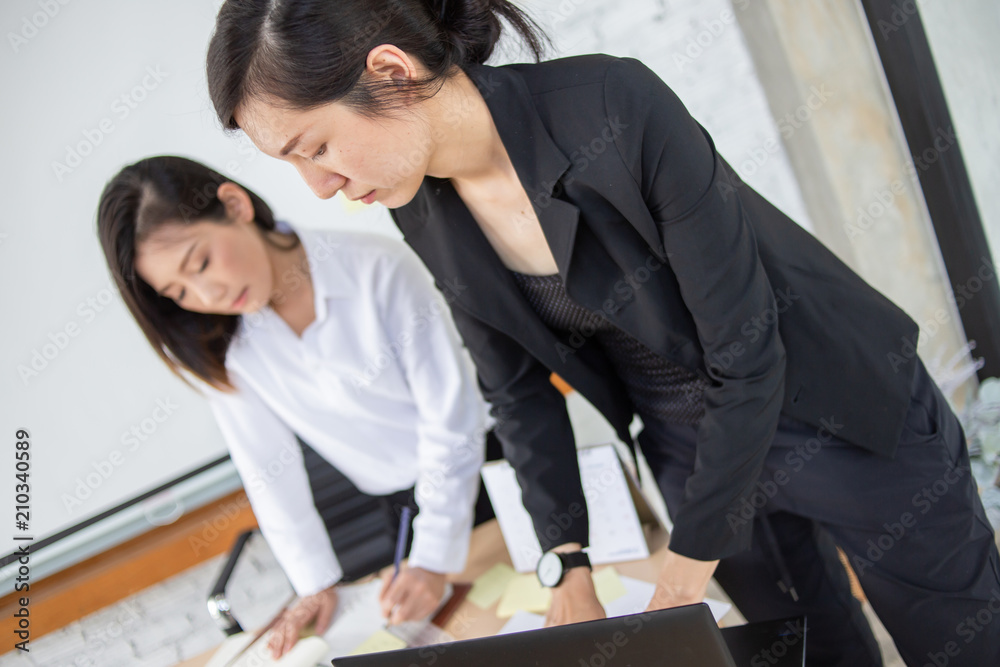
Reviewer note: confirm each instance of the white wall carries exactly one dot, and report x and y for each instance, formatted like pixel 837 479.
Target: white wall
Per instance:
pixel 67 77
pixel 62 85
pixel 963 37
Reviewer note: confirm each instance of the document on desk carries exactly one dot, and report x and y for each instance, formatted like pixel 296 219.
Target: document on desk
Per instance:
pixel 358 627
pixel 358 624
pixel 306 653
pixel 615 530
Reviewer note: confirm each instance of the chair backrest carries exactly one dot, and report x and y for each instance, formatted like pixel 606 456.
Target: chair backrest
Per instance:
pixel 361 528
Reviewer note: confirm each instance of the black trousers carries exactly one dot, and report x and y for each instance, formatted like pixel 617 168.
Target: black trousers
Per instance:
pixel 913 529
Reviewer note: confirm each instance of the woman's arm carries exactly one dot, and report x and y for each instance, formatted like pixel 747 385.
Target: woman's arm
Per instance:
pixel 710 245
pixel 534 428
pixel 269 461
pixel 451 423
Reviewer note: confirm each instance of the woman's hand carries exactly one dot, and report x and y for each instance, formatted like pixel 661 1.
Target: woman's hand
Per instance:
pixel 682 581
pixel 412 595
pixel 318 606
pixel 574 600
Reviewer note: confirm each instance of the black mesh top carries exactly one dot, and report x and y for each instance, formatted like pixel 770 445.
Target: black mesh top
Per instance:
pixel 657 387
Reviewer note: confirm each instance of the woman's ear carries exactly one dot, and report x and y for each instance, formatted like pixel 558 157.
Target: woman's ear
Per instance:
pixel 386 61
pixel 239 207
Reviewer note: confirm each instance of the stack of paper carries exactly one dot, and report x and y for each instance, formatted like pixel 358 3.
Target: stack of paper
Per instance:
pixel 615 531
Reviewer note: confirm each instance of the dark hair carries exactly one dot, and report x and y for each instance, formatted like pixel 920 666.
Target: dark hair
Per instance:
pixel 306 53
pixel 140 199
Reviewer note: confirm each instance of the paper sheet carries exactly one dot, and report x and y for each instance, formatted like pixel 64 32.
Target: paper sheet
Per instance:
pixel 524 593
pixel 306 653
pixel 615 531
pixel 608 585
pixel 639 593
pixel 359 616
pixel 490 585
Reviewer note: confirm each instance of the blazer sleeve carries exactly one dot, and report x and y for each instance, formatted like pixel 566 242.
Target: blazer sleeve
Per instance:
pixel 710 246
pixel 533 427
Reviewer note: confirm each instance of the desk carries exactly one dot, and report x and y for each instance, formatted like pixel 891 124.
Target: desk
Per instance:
pixel 487 549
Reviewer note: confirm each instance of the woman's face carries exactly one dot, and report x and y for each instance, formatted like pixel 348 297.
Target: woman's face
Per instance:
pixel 208 266
pixel 336 149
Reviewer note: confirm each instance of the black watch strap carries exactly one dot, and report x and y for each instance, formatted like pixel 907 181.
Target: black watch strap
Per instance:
pixel 575 559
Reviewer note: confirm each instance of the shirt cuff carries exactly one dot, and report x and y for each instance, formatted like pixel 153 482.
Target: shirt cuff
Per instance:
pixel 439 553
pixel 312 576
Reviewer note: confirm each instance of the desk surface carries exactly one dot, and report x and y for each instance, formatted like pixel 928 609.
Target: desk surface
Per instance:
pixel 487 549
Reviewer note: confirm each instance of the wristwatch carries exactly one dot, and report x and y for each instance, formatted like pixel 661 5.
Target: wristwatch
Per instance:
pixel 552 566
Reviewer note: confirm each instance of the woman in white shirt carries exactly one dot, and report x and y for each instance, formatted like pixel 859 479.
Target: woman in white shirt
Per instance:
pixel 339 338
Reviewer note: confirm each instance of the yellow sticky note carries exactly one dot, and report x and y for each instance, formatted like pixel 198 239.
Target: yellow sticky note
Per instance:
pixel 524 593
pixel 378 642
pixel 490 585
pixel 609 586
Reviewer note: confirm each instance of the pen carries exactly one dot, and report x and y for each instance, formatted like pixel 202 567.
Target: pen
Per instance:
pixel 404 532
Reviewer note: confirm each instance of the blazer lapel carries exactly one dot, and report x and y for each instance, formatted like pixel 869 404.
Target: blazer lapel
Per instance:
pixel 446 236
pixel 539 163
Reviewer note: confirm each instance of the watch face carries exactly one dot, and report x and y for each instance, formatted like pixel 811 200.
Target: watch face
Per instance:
pixel 550 569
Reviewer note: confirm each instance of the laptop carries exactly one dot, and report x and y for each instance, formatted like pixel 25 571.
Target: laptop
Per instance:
pixel 678 637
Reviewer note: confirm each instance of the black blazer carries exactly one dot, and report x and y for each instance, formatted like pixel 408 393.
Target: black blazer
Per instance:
pixel 650 226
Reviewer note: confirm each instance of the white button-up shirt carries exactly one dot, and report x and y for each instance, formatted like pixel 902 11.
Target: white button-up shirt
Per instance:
pixel 378 384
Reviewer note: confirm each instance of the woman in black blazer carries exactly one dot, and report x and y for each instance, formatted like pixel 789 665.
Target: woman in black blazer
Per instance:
pixel 580 221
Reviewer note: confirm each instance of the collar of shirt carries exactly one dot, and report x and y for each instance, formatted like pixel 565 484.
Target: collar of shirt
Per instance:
pixel 330 280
